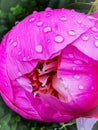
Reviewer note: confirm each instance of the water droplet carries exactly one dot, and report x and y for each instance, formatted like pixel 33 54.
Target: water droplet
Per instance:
pixel 96 43
pixel 63 18
pixel 85 38
pixel 17 22
pixel 14 44
pixel 71 32
pixel 47 29
pixel 48 9
pixel 81 87
pixel 71 55
pixel 79 21
pixel 90 17
pixel 40 23
pixel 48 40
pixel 6 84
pixel 19 73
pixel 94 29
pixel 39 48
pixel 34 12
pixel 32 19
pixel 58 38
pixel 73 68
pixel 78 62
pixel 76 76
pixel 19 53
pixel 96 37
pixel 72 15
pixel 24 59
pixel 11 41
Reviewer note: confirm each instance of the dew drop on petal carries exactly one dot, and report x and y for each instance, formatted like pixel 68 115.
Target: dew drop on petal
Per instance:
pixel 96 37
pixel 78 62
pixel 11 41
pixel 85 38
pixel 71 32
pixel 71 55
pixel 58 39
pixel 94 29
pixel 24 58
pixel 39 48
pixel 19 53
pixel 79 21
pixel 81 87
pixel 6 84
pixel 96 43
pixel 76 76
pixel 63 18
pixel 40 23
pixel 14 44
pixel 19 73
pixel 32 19
pixel 47 29
pixel 48 9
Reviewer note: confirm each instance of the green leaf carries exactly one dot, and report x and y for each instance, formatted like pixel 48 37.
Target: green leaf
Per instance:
pixel 5 119
pixel 80 6
pixel 5 127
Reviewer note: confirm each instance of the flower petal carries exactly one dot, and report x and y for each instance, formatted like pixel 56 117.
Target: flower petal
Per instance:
pixel 85 123
pixel 79 74
pixel 36 37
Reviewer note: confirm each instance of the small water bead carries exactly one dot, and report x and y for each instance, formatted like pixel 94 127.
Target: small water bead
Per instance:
pixel 40 23
pixel 19 53
pixel 94 29
pixel 71 32
pixel 6 84
pixel 14 44
pixel 96 37
pixel 24 59
pixel 96 43
pixel 79 21
pixel 47 29
pixel 32 19
pixel 48 9
pixel 78 62
pixel 77 76
pixel 19 73
pixel 63 18
pixel 81 87
pixel 85 38
pixel 71 55
pixel 11 41
pixel 58 39
pixel 39 48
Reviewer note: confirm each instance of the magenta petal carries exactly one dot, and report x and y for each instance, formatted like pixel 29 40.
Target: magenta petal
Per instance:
pixel 79 74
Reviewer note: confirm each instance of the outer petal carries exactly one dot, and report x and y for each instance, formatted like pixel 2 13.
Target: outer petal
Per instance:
pixel 21 103
pixel 41 36
pixel 5 84
pixel 85 123
pixel 88 42
pixel 80 76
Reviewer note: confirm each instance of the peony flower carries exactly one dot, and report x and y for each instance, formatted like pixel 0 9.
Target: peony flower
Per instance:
pixel 49 66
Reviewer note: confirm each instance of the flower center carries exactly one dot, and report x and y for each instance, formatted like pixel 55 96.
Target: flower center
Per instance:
pixel 41 77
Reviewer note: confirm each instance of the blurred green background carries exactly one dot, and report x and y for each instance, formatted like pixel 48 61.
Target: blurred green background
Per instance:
pixel 12 11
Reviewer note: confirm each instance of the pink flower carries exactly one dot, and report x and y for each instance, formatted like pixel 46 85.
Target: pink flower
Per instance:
pixel 49 66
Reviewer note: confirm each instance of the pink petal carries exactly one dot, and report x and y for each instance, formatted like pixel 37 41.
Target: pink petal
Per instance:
pixel 88 42
pixel 42 37
pixel 85 123
pixel 79 74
